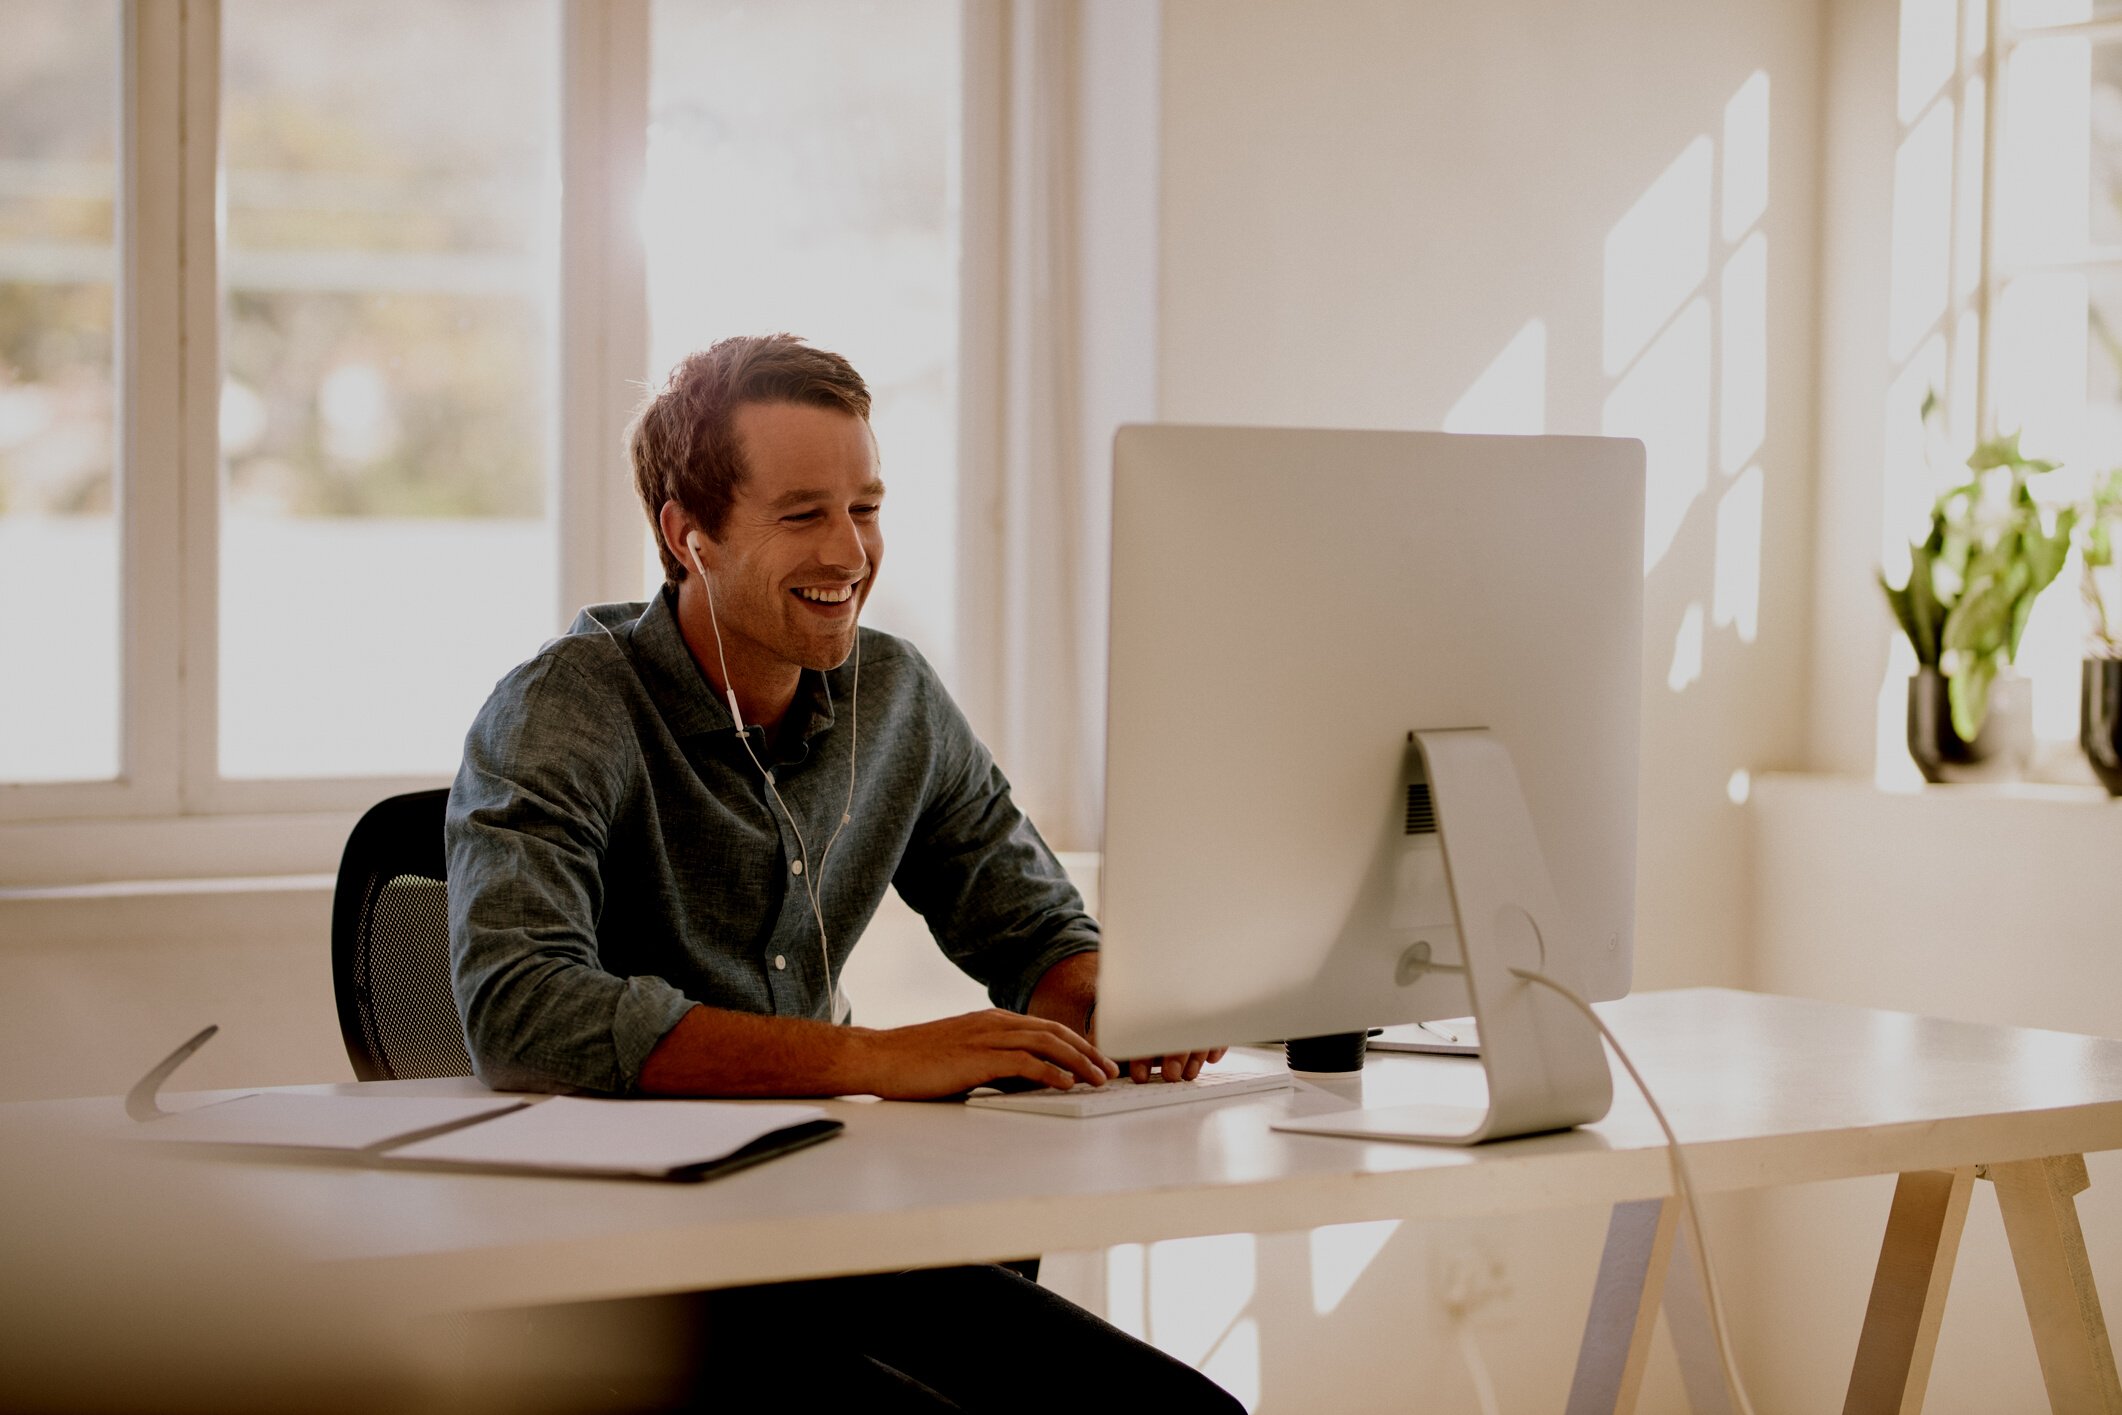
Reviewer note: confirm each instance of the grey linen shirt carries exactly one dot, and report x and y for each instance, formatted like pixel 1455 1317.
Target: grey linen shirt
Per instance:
pixel 614 856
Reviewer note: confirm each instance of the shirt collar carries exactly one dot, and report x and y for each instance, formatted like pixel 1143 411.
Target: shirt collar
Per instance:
pixel 689 702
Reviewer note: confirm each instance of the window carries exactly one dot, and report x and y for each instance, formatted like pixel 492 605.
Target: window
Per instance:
pixel 58 431
pixel 317 342
pixel 2043 274
pixel 818 196
pixel 389 275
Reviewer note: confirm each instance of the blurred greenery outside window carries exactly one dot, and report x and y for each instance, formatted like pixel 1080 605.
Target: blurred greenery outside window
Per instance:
pixel 59 624
pixel 390 278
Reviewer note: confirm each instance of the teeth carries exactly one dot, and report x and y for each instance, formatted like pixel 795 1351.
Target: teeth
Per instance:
pixel 839 596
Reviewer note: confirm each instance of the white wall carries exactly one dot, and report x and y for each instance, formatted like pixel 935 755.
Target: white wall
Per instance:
pixel 1986 904
pixel 1363 206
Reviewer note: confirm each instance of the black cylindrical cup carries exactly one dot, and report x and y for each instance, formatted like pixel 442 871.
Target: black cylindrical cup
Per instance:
pixel 1340 1051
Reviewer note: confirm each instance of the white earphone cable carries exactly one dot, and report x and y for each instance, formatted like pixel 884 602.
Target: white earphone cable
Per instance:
pixel 1683 1187
pixel 813 884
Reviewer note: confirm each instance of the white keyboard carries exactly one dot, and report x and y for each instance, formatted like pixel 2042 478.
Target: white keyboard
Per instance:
pixel 1116 1096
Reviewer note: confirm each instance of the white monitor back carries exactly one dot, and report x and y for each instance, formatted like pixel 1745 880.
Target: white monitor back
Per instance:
pixel 1287 606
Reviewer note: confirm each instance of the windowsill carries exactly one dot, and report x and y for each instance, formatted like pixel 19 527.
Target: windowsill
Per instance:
pixel 1773 789
pixel 163 888
pixel 156 852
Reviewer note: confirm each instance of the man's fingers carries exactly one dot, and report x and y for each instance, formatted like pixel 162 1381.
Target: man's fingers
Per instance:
pixel 1055 1048
pixel 1074 1040
pixel 1194 1062
pixel 1046 1073
pixel 1138 1071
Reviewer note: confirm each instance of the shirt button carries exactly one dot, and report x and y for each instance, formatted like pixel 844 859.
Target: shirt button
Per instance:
pixel 780 963
pixel 796 867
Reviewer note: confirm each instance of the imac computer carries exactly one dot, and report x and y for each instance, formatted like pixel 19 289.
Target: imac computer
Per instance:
pixel 1372 735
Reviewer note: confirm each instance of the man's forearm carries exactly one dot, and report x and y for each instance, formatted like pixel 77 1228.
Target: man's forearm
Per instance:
pixel 1068 992
pixel 716 1052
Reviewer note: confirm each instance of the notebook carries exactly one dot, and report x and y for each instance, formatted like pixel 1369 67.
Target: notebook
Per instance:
pixel 563 1135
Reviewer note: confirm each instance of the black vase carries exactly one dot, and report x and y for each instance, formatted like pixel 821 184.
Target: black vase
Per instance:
pixel 2100 719
pixel 1998 753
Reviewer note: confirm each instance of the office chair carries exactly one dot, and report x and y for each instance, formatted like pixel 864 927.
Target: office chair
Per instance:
pixel 390 945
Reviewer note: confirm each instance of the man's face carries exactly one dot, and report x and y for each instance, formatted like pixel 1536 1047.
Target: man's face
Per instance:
pixel 799 551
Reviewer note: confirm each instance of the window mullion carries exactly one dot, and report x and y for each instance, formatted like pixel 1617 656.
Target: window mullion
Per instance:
pixel 1986 284
pixel 150 397
pixel 198 445
pixel 602 354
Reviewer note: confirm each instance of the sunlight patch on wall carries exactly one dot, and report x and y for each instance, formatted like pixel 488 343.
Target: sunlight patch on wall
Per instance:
pixel 1922 247
pixel 1743 404
pixel 1745 175
pixel 1198 1289
pixel 1687 651
pixel 1125 1276
pixel 1927 57
pixel 1665 401
pixel 1339 1255
pixel 1511 393
pixel 1739 787
pixel 1657 255
pixel 1235 1363
pixel 1738 598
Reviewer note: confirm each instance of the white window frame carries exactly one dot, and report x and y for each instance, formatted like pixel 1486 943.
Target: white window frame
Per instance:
pixel 169 378
pixel 2005 38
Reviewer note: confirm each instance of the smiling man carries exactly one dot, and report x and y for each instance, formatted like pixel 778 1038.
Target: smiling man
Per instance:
pixel 674 822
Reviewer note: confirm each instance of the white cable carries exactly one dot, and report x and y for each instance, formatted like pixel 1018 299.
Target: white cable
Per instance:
pixel 812 884
pixel 1683 1186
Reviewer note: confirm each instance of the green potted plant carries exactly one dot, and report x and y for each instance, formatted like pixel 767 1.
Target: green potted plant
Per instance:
pixel 1972 583
pixel 2100 679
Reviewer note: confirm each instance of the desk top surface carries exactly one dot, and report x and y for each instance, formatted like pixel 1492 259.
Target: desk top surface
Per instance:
pixel 1763 1090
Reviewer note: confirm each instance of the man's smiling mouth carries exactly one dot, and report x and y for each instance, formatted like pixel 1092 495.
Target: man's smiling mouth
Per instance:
pixel 819 594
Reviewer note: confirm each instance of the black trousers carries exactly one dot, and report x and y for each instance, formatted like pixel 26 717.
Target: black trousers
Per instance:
pixel 971 1339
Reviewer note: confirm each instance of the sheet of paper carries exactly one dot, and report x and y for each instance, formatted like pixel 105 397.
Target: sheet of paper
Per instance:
pixel 318 1122
pixel 634 1137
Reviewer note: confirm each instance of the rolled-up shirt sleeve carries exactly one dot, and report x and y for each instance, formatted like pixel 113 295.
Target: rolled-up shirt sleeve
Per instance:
pixel 528 822
pixel 994 896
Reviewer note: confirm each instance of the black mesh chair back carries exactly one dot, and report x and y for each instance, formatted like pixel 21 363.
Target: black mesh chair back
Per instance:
pixel 390 945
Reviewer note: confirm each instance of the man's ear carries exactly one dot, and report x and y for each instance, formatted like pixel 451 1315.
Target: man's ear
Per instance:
pixel 675 524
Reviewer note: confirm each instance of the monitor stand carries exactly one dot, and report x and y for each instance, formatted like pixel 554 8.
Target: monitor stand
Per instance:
pixel 1546 1069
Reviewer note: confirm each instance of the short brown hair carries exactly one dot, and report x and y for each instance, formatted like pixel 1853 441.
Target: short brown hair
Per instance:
pixel 683 442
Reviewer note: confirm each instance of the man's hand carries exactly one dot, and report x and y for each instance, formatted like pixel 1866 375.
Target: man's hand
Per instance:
pixel 958 1053
pixel 1068 993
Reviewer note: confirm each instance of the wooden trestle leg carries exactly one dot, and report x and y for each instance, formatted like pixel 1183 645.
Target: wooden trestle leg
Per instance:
pixel 1900 1333
pixel 2039 1202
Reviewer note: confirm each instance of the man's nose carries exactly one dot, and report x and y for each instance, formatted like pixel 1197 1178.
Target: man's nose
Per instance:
pixel 844 549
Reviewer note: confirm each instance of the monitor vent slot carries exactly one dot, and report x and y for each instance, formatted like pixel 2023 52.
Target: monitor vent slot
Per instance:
pixel 1421 814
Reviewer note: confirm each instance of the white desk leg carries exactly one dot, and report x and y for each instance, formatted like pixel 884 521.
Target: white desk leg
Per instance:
pixel 1908 1293
pixel 2039 1201
pixel 1624 1309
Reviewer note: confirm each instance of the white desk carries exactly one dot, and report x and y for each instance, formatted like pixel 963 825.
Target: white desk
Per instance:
pixel 1764 1091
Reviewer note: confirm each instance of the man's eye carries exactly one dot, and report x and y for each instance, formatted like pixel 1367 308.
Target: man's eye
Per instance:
pixel 800 516
pixel 867 510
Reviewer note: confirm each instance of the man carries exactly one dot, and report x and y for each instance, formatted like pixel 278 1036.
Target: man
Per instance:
pixel 673 823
